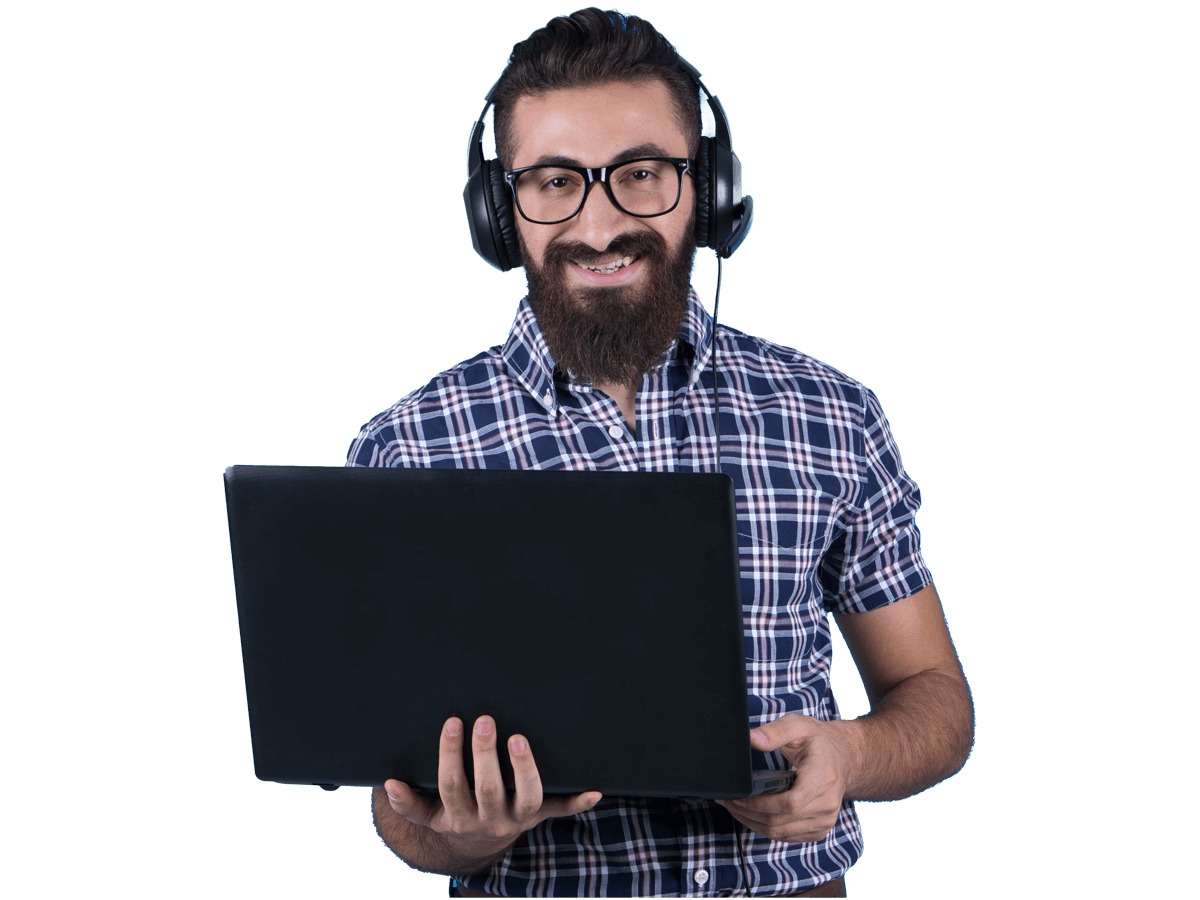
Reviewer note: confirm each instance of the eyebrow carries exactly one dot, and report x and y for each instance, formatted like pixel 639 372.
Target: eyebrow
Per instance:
pixel 638 152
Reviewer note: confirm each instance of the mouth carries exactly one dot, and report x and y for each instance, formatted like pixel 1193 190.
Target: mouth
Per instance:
pixel 608 268
pixel 614 272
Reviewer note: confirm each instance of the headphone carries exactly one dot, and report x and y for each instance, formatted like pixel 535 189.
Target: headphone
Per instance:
pixel 723 214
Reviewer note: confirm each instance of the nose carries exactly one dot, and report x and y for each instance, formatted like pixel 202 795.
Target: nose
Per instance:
pixel 600 220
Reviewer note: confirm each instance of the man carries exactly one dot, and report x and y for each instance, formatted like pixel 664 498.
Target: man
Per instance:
pixel 609 366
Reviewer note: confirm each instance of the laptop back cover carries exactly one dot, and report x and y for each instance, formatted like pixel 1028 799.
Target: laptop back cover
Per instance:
pixel 597 613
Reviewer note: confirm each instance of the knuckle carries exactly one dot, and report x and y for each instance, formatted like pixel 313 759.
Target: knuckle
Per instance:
pixel 489 795
pixel 498 830
pixel 445 825
pixel 526 810
pixel 527 806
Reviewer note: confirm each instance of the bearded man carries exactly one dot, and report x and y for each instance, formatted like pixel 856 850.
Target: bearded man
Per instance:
pixel 609 365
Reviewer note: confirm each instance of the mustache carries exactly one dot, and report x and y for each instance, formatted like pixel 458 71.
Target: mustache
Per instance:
pixel 648 244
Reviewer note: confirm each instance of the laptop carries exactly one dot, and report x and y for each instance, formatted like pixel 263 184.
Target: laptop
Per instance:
pixel 596 613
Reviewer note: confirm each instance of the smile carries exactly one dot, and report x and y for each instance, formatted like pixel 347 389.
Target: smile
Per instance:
pixel 619 271
pixel 611 268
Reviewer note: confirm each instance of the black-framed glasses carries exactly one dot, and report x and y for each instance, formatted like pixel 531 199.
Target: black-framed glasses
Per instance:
pixel 646 187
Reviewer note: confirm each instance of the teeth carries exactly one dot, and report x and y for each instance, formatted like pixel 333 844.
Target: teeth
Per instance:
pixel 611 267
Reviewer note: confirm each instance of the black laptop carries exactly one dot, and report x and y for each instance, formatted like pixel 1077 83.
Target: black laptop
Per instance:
pixel 596 613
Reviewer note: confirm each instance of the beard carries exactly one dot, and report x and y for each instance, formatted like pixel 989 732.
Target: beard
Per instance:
pixel 611 335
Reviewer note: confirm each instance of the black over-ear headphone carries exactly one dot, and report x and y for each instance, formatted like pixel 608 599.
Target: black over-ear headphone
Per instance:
pixel 723 214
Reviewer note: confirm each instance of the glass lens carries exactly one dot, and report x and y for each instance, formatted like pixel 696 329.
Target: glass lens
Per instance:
pixel 647 187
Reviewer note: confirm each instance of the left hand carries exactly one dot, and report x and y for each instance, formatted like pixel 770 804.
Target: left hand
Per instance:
pixel 821 754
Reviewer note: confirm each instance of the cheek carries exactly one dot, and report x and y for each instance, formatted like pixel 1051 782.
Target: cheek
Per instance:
pixel 683 218
pixel 534 240
pixel 531 251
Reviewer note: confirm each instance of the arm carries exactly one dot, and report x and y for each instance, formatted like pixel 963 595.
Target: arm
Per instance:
pixel 922 722
pixel 919 730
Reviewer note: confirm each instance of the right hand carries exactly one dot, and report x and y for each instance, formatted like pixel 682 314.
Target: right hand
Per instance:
pixel 486 822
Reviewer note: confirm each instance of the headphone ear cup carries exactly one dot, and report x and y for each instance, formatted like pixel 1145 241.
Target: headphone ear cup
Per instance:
pixel 720 208
pixel 703 187
pixel 506 215
pixel 490 216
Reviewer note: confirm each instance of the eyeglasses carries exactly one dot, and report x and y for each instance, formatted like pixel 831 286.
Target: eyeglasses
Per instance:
pixel 646 187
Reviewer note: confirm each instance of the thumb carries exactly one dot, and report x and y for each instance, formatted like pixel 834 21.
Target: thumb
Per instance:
pixel 406 802
pixel 783 731
pixel 569 806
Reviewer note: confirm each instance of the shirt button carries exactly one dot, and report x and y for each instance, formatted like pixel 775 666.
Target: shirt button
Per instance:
pixel 701 876
pixel 614 431
pixel 549 399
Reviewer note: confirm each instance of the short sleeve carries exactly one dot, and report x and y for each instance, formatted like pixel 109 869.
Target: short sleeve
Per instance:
pixel 364 451
pixel 876 559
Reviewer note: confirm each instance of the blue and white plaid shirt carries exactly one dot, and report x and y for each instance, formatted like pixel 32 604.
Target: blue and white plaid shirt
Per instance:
pixel 825 524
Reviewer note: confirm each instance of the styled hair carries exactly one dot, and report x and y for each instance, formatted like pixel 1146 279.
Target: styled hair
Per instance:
pixel 588 48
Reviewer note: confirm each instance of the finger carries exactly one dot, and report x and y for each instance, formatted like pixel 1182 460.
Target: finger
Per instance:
pixel 529 805
pixel 750 818
pixel 452 777
pixel 767 804
pixel 406 802
pixel 528 798
pixel 759 809
pixel 781 732
pixel 489 786
pixel 573 805
pixel 569 806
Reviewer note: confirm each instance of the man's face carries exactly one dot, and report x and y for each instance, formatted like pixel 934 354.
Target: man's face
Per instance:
pixel 605 326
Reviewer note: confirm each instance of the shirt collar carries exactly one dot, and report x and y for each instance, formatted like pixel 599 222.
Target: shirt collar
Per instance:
pixel 528 359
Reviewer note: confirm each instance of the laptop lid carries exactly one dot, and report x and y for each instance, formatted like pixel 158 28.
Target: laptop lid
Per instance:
pixel 597 613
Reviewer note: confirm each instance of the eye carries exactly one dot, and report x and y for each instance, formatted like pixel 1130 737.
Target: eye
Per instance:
pixel 557 181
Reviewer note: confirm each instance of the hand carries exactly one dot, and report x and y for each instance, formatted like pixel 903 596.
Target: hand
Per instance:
pixel 487 822
pixel 807 811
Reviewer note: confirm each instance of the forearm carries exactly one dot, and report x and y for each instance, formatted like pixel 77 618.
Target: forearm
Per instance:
pixel 421 847
pixel 916 735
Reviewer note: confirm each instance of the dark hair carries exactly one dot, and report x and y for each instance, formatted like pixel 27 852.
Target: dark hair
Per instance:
pixel 587 48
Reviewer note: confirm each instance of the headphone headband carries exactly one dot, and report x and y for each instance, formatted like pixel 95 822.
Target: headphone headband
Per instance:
pixel 475 142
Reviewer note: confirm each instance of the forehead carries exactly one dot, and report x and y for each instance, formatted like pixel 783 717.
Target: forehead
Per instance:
pixel 594 125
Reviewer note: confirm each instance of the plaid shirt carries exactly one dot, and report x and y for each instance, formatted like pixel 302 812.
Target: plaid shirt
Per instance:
pixel 825 524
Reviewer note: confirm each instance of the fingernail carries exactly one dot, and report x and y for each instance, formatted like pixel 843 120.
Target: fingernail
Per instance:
pixel 518 746
pixel 758 737
pixel 483 727
pixel 453 727
pixel 395 795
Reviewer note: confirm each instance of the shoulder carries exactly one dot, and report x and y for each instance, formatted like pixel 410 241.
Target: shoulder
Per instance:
pixel 482 373
pixel 462 390
pixel 764 369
